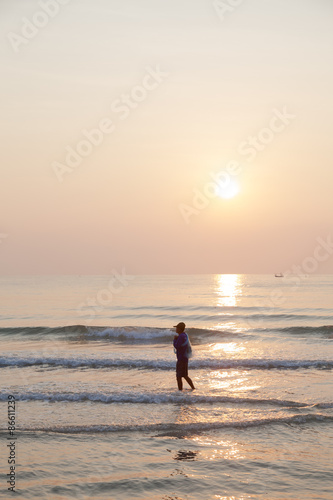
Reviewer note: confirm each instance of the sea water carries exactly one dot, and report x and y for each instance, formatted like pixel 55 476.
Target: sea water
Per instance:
pixel 90 365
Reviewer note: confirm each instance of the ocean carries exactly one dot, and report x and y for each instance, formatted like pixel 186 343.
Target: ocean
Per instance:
pixel 89 401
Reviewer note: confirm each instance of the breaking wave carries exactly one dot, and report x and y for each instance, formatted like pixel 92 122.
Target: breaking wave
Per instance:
pixel 141 334
pixel 162 364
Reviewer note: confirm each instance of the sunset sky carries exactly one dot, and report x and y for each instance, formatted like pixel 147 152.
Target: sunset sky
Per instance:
pixel 180 90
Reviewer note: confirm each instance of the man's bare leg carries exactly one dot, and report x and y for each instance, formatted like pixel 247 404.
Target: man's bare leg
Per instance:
pixel 189 381
pixel 180 383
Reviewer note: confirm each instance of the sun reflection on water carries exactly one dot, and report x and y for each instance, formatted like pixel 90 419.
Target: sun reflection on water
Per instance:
pixel 219 497
pixel 230 325
pixel 228 347
pixel 234 381
pixel 228 288
pixel 217 449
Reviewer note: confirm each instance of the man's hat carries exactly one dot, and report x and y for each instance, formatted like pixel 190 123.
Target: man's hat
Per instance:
pixel 181 324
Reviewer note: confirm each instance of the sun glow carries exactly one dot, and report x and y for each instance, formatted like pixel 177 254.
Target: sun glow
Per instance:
pixel 229 190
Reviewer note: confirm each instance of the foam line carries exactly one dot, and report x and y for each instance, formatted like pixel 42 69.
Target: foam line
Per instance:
pixel 150 364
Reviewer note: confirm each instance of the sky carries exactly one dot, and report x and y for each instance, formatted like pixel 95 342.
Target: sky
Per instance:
pixel 166 136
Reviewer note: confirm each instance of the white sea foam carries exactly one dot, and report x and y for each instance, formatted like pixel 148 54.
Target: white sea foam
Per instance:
pixel 164 364
pixel 135 333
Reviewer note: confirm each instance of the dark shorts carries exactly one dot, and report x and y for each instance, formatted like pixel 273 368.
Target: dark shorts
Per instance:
pixel 182 368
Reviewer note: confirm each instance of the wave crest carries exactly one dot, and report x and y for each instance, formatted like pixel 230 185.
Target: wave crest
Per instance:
pixel 164 364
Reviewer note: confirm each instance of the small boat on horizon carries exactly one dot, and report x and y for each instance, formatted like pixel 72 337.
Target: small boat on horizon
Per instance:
pixel 278 275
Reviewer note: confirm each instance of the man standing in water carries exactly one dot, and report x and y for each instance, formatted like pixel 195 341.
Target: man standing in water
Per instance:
pixel 181 344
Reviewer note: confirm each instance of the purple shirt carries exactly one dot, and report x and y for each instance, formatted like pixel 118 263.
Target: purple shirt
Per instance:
pixel 180 344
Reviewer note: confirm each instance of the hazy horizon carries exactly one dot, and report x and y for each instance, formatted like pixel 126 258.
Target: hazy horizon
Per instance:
pixel 166 137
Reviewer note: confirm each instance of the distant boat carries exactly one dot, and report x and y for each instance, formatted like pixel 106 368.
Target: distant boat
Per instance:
pixel 278 275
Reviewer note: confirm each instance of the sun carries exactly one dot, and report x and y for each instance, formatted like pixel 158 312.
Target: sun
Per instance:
pixel 228 190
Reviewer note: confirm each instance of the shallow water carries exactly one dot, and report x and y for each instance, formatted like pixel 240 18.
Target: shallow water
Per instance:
pixel 97 410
